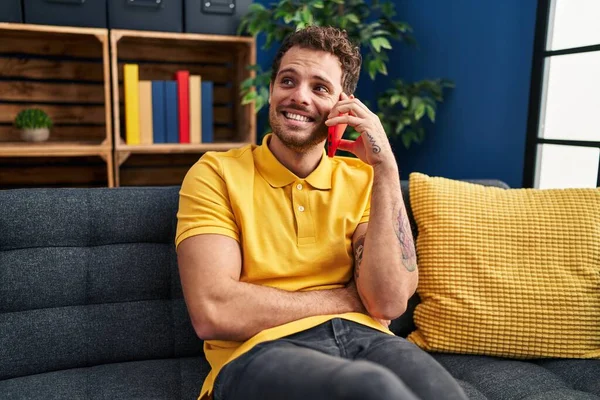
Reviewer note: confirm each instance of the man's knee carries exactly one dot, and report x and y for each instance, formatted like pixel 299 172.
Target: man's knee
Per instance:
pixel 364 380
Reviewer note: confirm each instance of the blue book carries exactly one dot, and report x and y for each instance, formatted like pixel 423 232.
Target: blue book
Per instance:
pixel 171 112
pixel 159 122
pixel 207 112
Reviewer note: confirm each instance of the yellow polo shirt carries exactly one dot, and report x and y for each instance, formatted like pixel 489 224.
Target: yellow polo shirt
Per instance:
pixel 294 234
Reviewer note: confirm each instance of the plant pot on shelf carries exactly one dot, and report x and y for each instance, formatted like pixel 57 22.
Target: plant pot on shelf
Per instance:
pixel 35 134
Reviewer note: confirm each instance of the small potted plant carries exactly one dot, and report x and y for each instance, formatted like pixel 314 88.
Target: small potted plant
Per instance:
pixel 34 124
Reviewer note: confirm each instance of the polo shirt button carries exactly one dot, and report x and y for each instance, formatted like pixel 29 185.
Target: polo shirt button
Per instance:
pixel 300 208
pixel 299 186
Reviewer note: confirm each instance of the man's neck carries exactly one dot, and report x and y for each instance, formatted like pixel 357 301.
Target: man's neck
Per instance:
pixel 301 164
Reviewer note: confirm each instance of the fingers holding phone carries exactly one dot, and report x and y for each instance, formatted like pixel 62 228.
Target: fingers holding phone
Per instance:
pixel 373 146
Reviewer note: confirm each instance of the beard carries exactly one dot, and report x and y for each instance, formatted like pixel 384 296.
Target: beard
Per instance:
pixel 299 139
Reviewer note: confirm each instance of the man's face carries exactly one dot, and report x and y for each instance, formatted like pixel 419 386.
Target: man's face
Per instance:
pixel 307 86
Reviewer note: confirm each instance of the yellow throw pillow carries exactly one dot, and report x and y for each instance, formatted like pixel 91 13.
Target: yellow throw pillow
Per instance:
pixel 507 272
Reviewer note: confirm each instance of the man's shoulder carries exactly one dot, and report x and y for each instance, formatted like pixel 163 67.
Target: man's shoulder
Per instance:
pixel 224 160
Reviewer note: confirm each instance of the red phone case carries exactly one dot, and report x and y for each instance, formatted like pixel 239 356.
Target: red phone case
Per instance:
pixel 334 136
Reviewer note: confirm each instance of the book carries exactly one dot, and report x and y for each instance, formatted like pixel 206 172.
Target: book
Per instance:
pixel 146 128
pixel 207 111
pixel 183 102
pixel 195 110
pixel 159 122
pixel 171 112
pixel 132 103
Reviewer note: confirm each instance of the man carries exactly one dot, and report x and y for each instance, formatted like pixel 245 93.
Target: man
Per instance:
pixel 292 264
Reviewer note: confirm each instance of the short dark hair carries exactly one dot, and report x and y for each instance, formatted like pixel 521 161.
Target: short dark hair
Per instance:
pixel 331 40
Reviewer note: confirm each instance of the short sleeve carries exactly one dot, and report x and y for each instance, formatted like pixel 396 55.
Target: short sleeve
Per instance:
pixel 367 213
pixel 204 205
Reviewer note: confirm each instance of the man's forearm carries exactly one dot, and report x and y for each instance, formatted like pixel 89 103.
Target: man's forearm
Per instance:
pixel 386 270
pixel 239 310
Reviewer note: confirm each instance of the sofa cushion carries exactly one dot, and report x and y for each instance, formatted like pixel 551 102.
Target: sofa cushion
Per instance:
pixel 404 325
pixel 166 379
pixel 89 277
pixel 511 273
pixel 493 378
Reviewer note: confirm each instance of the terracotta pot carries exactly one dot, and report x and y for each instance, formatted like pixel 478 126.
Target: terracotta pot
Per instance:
pixel 35 134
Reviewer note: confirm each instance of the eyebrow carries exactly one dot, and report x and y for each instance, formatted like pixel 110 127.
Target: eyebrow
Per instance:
pixel 293 71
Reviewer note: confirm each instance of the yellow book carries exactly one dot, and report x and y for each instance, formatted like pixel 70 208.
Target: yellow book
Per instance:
pixel 195 111
pixel 132 103
pixel 146 131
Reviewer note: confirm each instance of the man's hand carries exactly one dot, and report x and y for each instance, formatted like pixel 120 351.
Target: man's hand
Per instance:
pixel 373 146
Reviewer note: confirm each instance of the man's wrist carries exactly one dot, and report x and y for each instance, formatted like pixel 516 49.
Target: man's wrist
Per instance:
pixel 387 168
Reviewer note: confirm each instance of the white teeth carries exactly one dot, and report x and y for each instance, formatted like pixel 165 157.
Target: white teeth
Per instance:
pixel 297 117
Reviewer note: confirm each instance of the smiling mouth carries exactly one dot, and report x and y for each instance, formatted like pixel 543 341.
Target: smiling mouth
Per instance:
pixel 297 117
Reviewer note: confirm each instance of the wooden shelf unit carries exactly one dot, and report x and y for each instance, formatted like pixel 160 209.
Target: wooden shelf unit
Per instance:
pixel 218 58
pixel 64 71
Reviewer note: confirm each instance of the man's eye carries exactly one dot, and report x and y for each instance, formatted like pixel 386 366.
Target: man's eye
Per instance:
pixel 286 81
pixel 322 89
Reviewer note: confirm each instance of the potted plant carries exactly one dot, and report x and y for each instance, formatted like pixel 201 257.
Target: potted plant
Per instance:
pixel 34 125
pixel 402 107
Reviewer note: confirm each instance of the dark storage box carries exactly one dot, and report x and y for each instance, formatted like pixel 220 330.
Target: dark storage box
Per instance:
pixel 86 13
pixel 148 15
pixel 215 16
pixel 10 11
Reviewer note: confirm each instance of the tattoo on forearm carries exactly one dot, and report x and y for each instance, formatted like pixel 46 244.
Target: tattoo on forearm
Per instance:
pixel 404 234
pixel 376 148
pixel 358 254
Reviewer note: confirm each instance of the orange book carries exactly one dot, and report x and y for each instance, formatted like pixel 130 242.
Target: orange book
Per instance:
pixel 195 111
pixel 146 131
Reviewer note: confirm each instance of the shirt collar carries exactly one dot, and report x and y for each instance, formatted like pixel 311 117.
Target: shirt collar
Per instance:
pixel 277 175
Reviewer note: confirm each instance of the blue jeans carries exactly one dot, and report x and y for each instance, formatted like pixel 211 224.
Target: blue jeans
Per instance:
pixel 339 359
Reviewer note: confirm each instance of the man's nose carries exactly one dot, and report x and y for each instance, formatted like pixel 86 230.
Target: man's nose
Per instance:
pixel 301 95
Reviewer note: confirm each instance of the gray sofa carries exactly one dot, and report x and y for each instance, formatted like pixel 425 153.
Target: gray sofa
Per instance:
pixel 91 307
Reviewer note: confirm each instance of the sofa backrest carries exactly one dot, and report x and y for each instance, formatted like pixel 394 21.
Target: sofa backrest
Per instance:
pixel 87 277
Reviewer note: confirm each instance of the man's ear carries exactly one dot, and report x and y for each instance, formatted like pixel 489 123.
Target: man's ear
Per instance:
pixel 270 91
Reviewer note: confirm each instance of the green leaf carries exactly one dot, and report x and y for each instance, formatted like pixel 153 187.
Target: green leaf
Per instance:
pixel 256 7
pixel 431 113
pixel 399 128
pixel 420 111
pixel 318 4
pixel 288 18
pixel 395 99
pixel 353 18
pixel 247 84
pixel 380 32
pixel 406 138
pixel 416 100
pixel 249 97
pixel 404 101
pixel 388 9
pixel 380 42
pixel 382 68
pixel 372 67
pixel 307 16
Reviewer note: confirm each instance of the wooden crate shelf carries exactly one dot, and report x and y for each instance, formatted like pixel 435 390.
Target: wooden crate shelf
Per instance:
pixel 69 73
pixel 54 149
pixel 218 58
pixel 64 71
